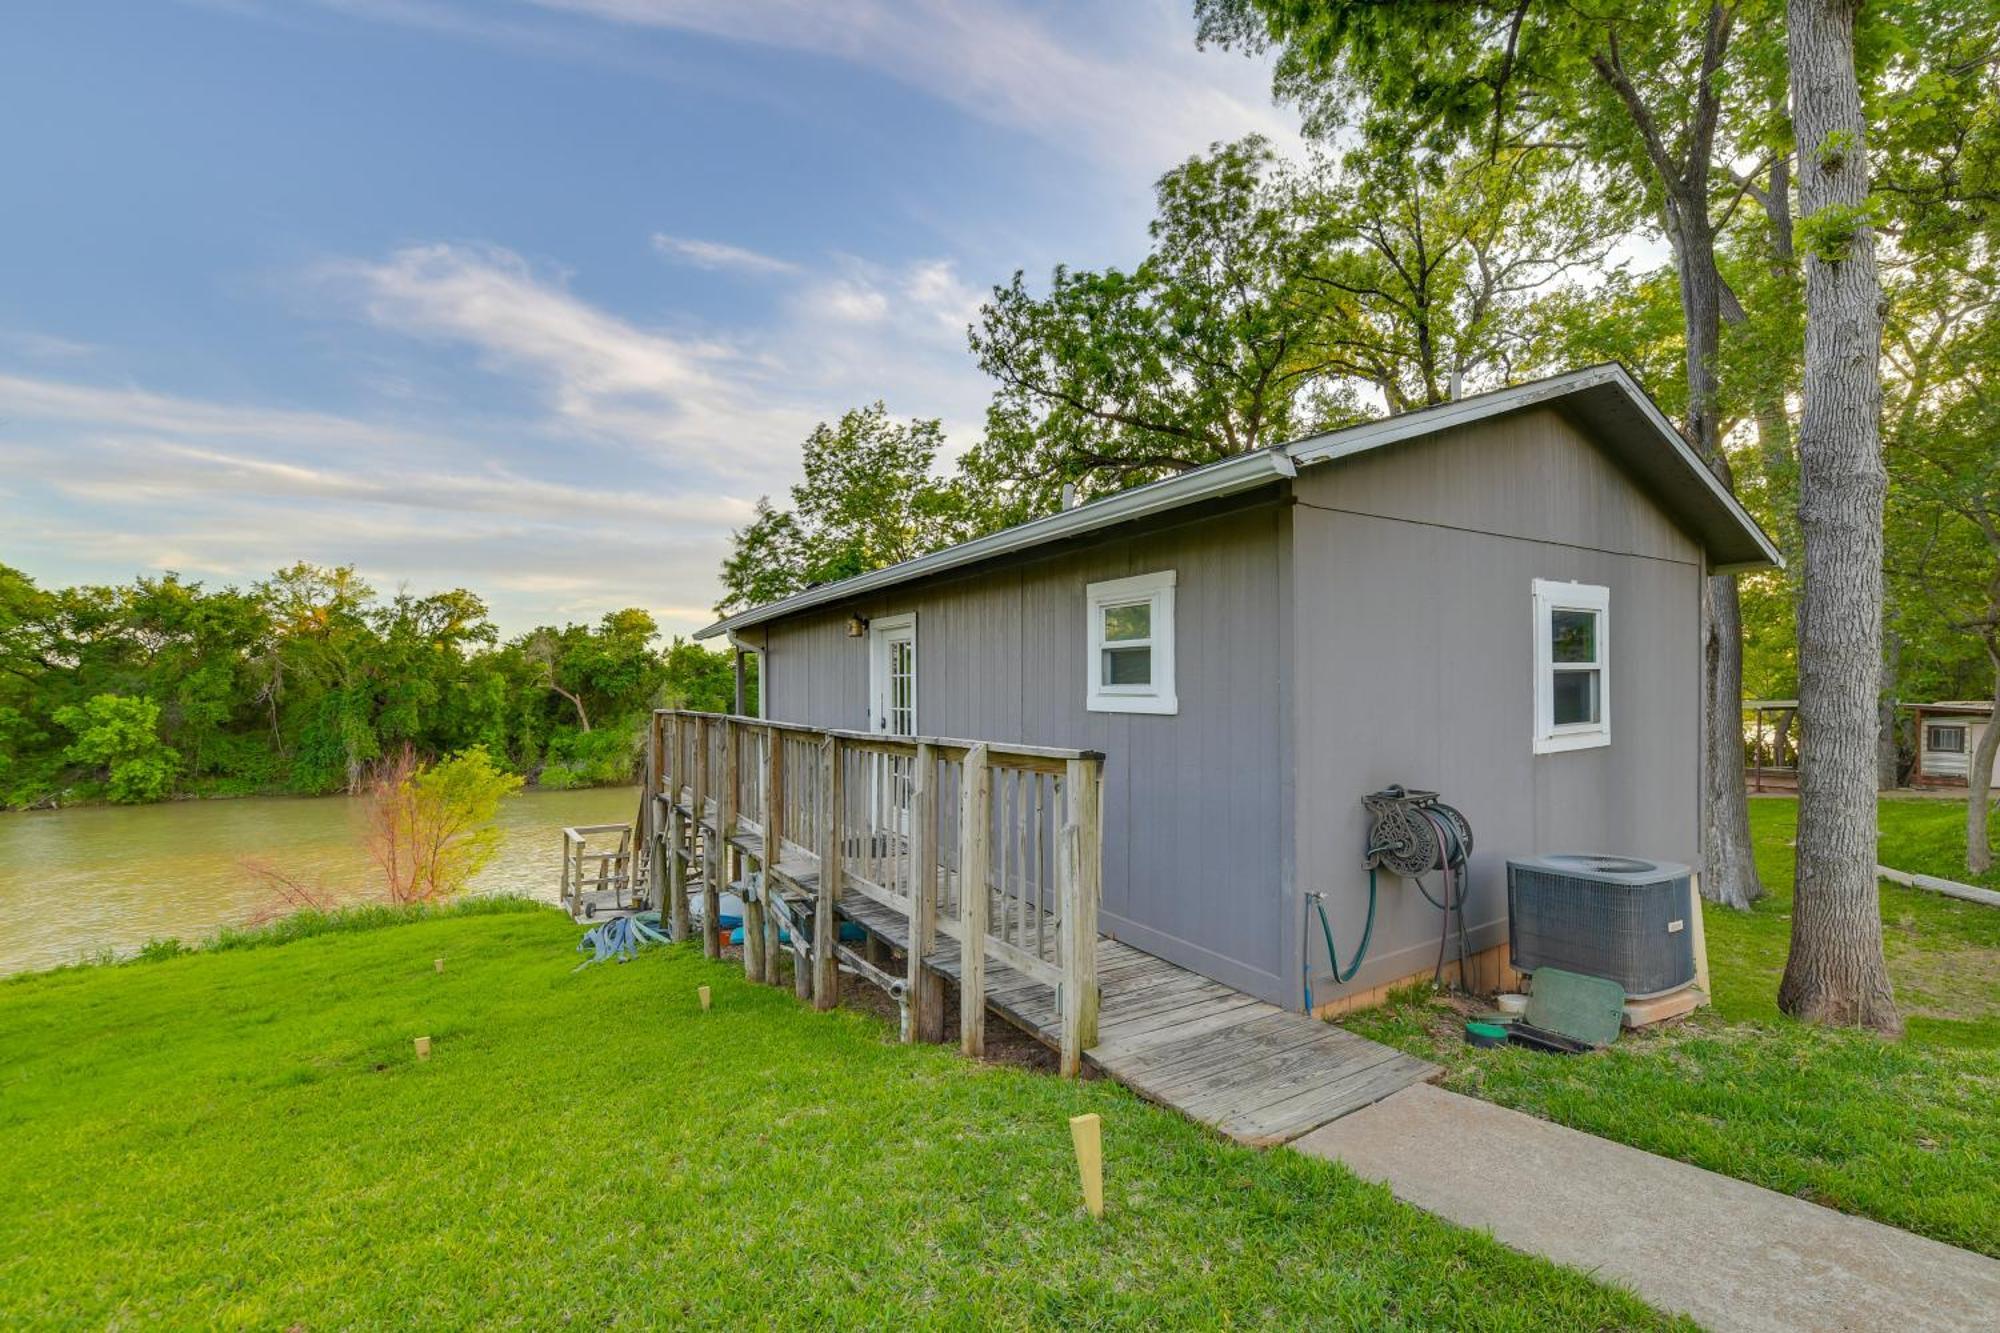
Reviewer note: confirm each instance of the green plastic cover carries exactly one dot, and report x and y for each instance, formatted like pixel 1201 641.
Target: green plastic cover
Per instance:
pixel 1589 1009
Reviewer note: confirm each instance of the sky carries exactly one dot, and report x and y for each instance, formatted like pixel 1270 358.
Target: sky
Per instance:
pixel 533 297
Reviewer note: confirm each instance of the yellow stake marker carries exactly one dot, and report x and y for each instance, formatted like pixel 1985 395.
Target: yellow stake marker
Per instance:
pixel 1088 1131
pixel 423 1045
pixel 702 991
pixel 438 963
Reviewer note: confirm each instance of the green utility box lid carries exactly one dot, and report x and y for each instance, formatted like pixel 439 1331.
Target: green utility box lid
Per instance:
pixel 1589 1009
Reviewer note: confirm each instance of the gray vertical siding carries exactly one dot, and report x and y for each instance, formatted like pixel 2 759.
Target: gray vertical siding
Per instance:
pixel 1371 626
pixel 1197 843
pixel 1415 652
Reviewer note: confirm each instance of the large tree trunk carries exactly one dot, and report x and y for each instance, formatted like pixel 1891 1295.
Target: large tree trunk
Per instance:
pixel 1835 972
pixel 1979 781
pixel 1729 868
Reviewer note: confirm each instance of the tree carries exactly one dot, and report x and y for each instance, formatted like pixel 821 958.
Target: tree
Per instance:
pixel 870 498
pixel 430 829
pixel 1641 94
pixel 1274 301
pixel 120 737
pixel 1835 972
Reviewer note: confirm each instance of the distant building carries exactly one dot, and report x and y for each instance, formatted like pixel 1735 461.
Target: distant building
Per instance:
pixel 1947 733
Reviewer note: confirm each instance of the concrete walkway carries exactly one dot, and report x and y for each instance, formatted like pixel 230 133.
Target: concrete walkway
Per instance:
pixel 1732 1255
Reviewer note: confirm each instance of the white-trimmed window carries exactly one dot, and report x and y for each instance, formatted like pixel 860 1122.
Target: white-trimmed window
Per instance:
pixel 1131 636
pixel 1572 666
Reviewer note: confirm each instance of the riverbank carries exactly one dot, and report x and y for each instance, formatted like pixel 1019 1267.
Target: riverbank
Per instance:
pixel 246 1137
pixel 84 883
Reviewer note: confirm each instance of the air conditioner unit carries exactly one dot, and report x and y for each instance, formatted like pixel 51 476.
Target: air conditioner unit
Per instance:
pixel 1620 917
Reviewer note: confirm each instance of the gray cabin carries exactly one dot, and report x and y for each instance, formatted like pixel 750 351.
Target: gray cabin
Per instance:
pixel 1498 599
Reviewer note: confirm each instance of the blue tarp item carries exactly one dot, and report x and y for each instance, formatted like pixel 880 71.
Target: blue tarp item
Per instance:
pixel 619 938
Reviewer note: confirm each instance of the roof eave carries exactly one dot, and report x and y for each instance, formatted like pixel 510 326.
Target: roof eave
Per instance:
pixel 1228 477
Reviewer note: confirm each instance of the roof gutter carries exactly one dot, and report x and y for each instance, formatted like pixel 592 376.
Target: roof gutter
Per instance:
pixel 1231 475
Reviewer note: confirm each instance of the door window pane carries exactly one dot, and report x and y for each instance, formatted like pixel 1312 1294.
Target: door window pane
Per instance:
pixel 1128 622
pixel 1573 635
pixel 1575 697
pixel 1128 666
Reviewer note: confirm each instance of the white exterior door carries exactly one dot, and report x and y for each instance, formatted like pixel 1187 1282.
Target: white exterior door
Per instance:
pixel 892 711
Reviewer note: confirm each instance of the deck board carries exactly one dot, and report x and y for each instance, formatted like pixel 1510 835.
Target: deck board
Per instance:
pixel 1257 1073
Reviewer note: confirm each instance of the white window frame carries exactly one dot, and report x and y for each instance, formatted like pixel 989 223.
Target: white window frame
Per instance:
pixel 1156 589
pixel 1550 597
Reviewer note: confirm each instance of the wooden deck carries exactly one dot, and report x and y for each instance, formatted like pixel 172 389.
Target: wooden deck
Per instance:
pixel 999 844
pixel 1260 1074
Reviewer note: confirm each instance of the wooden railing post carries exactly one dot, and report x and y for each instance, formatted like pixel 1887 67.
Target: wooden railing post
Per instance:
pixel 753 903
pixel 562 894
pixel 677 898
pixel 975 813
pixel 711 893
pixel 826 931
pixel 654 827
pixel 774 833
pixel 1079 885
pixel 925 994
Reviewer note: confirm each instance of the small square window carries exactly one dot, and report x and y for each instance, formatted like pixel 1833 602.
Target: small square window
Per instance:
pixel 1572 666
pixel 1131 633
pixel 1945 739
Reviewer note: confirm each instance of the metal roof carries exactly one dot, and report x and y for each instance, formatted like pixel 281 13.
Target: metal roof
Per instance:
pixel 1605 400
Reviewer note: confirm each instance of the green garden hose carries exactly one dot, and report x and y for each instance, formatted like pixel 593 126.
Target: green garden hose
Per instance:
pixel 1341 975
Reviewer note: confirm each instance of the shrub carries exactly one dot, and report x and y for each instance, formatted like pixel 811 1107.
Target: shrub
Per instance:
pixel 430 829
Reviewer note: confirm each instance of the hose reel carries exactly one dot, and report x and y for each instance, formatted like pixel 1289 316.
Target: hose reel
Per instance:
pixel 1411 833
pixel 1414 833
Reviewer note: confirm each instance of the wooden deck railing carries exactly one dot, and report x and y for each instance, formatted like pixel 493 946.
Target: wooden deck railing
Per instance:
pixel 595 867
pixel 995 847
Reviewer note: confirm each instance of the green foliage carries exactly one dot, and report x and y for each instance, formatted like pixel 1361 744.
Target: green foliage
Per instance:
pixel 121 738
pixel 1827 232
pixel 1274 301
pixel 546 1166
pixel 434 828
pixel 610 754
pixel 869 499
pixel 303 682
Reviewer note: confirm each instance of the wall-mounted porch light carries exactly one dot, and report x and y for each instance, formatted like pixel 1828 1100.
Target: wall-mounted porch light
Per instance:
pixel 857 626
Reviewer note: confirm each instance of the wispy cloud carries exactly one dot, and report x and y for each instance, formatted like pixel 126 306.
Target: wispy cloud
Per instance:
pixel 108 480
pixel 642 446
pixel 736 402
pixel 719 255
pixel 1136 88
pixel 1125 87
pixel 689 398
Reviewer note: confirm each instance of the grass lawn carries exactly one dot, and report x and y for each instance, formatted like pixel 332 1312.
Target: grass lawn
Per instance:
pixel 1902 1132
pixel 244 1137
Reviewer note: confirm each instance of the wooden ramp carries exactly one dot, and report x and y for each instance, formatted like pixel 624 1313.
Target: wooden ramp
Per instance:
pixel 1260 1074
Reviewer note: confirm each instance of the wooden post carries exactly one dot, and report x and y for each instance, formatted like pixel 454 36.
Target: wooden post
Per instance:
pixel 975 813
pixel 925 992
pixel 702 993
pixel 711 868
pixel 677 842
pixel 774 801
pixel 826 930
pixel 733 865
pixel 1700 940
pixel 1087 1131
pixel 562 893
pixel 1079 876
pixel 423 1045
